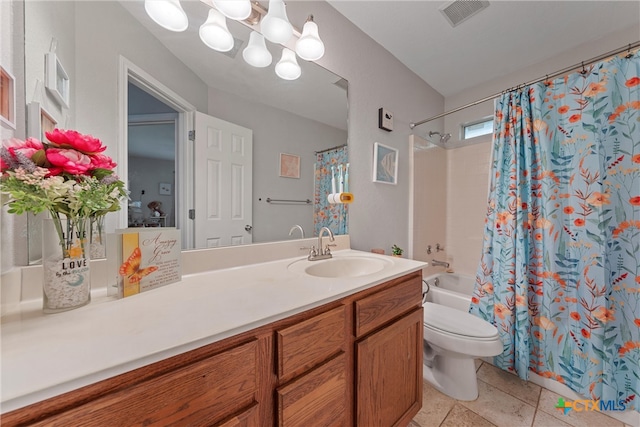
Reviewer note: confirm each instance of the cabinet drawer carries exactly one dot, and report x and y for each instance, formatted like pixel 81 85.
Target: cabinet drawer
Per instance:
pixel 200 393
pixel 310 342
pixel 318 398
pixel 375 310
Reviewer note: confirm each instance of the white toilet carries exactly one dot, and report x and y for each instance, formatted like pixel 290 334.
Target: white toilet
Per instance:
pixel 452 340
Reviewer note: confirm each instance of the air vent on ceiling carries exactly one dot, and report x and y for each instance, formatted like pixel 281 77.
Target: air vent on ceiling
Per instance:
pixel 459 11
pixel 237 44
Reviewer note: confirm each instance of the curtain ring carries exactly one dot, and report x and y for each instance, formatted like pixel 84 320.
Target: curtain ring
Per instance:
pixel 584 71
pixel 629 55
pixel 547 83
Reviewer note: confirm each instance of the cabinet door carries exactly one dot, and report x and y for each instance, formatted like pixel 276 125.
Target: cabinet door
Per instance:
pixel 389 373
pixel 318 398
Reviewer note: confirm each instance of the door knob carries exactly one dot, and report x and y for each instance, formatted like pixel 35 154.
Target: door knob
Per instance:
pixel 248 228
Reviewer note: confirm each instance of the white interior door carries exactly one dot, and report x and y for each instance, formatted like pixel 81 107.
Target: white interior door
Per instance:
pixel 223 183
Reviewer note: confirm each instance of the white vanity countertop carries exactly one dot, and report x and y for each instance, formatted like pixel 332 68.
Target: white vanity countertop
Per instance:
pixel 47 355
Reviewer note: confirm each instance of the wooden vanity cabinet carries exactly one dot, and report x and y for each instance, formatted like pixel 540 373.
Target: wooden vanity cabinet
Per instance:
pixel 356 361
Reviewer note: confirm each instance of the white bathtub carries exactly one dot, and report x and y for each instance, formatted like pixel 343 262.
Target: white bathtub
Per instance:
pixel 450 289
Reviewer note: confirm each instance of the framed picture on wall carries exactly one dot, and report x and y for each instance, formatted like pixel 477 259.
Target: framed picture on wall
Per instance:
pixel 39 121
pixel 56 79
pixel 289 165
pixel 7 98
pixel 385 164
pixel 164 189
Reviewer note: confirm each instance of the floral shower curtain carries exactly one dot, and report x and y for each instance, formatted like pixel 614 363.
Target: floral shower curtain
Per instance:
pixel 326 214
pixel 559 274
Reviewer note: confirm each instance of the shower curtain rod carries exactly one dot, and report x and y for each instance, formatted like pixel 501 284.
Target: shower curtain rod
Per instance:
pixel 546 77
pixel 329 149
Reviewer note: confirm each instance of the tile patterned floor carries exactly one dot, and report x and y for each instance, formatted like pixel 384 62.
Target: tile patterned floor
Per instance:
pixel 504 401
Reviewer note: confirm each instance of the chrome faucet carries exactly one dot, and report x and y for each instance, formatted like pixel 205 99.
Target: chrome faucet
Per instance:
pixel 298 227
pixel 315 255
pixel 436 263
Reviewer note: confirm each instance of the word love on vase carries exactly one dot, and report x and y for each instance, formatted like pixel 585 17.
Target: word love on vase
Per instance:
pixel 65 254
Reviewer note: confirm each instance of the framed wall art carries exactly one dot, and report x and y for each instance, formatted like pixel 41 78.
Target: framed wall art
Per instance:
pixel 164 189
pixel 289 165
pixel 385 164
pixel 56 79
pixel 7 98
pixel 39 121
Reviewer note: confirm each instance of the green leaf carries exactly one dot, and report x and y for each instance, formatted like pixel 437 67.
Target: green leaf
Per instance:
pixel 589 127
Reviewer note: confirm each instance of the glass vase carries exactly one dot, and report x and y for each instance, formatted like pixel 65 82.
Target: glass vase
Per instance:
pixel 97 242
pixel 65 253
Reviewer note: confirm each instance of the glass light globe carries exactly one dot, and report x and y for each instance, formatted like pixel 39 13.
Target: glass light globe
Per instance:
pixel 275 25
pixel 287 68
pixel 167 13
pixel 256 53
pixel 309 46
pixel 234 9
pixel 214 32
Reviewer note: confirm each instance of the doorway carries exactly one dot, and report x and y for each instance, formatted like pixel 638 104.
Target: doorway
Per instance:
pixel 152 152
pixel 154 108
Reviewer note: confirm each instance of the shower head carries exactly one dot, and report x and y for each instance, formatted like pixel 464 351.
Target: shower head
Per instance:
pixel 443 137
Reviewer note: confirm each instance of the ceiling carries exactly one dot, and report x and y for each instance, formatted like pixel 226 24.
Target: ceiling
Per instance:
pixel 506 37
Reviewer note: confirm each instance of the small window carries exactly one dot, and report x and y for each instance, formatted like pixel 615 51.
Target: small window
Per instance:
pixel 474 129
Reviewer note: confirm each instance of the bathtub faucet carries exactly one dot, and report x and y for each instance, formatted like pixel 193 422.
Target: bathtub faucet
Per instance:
pixel 436 263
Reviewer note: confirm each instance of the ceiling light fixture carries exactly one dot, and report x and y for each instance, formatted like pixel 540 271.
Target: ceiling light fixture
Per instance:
pixel 214 32
pixel 309 46
pixel 234 9
pixel 275 26
pixel 167 13
pixel 256 53
pixel 287 68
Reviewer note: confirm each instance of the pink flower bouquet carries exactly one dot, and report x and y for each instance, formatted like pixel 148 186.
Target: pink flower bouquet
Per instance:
pixel 67 175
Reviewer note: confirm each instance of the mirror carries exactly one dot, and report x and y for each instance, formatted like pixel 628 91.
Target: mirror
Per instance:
pixel 298 118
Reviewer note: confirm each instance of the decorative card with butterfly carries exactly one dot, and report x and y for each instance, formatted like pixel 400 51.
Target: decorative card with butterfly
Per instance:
pixel 147 259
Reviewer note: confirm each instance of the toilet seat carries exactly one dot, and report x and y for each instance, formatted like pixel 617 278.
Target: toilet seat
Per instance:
pixel 450 321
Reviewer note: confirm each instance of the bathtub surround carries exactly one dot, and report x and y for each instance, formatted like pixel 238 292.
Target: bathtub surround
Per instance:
pixel 558 274
pixel 452 290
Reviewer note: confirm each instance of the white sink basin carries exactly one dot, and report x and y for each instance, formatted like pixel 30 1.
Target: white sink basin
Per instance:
pixel 342 266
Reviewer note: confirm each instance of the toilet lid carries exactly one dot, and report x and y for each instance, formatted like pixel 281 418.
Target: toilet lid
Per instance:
pixel 457 322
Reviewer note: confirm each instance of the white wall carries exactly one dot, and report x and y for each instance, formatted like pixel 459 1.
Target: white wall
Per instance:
pixel 52 19
pixel 146 174
pixel 301 137
pixel 468 167
pixel 12 228
pixel 379 215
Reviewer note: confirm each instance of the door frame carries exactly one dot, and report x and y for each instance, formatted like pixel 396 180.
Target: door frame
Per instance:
pixel 129 72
